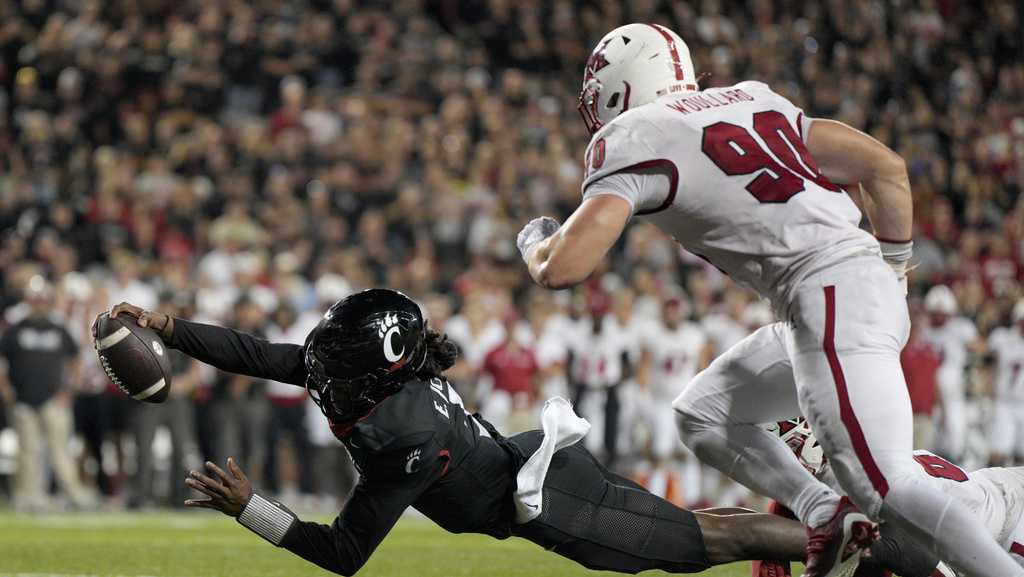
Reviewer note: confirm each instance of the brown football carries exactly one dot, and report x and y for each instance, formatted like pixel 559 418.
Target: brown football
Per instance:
pixel 134 358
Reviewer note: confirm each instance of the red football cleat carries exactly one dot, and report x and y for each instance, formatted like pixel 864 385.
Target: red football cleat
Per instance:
pixel 770 569
pixel 871 571
pixel 834 549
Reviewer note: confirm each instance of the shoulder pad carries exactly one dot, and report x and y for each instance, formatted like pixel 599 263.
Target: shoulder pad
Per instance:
pixel 402 420
pixel 753 85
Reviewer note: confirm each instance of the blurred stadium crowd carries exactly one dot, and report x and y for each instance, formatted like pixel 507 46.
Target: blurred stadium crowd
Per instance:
pixel 248 163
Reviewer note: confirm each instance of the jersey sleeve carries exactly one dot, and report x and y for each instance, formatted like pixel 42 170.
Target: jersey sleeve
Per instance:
pixel 620 162
pixel 391 482
pixel 240 353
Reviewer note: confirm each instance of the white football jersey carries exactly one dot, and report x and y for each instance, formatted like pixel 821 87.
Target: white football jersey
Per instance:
pixel 995 496
pixel 726 172
pixel 1007 344
pixel 674 354
pixel 598 360
pixel 951 340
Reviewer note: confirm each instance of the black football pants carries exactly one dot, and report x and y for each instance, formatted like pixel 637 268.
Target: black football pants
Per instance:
pixel 606 522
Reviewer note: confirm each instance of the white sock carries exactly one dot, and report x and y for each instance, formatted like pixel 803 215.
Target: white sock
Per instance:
pixel 762 462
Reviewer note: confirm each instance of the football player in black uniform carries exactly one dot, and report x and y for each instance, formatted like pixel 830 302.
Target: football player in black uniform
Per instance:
pixel 377 372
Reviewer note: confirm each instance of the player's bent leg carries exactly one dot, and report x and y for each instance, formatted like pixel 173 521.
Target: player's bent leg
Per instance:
pixel 846 360
pixel 717 416
pixel 605 522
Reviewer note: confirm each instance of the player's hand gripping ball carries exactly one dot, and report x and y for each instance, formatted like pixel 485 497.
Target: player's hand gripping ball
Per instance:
pixel 133 354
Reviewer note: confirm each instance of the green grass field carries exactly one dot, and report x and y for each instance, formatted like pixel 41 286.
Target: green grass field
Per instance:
pixel 203 544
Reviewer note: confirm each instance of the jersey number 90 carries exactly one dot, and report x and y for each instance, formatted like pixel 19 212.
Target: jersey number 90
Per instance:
pixel 733 149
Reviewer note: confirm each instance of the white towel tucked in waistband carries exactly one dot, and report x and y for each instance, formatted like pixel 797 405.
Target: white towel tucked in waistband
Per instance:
pixel 562 428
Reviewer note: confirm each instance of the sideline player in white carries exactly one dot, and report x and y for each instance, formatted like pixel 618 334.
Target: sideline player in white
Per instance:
pixel 673 350
pixel 742 177
pixel 952 336
pixel 1007 344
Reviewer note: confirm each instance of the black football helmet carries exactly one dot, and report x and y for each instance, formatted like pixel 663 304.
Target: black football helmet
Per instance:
pixel 367 345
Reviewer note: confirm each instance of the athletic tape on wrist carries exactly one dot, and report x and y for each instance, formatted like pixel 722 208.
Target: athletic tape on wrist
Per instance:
pixel 267 519
pixel 897 251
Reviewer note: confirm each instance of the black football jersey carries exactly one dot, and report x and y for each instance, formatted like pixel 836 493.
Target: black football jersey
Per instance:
pixel 423 431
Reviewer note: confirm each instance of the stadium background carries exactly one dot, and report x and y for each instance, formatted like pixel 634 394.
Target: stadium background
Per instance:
pixel 246 163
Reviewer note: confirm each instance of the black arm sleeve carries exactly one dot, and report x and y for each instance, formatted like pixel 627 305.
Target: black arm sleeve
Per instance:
pixel 345 545
pixel 236 352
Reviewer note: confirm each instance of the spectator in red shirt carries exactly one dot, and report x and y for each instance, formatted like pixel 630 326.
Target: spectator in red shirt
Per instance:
pixel 920 365
pixel 513 371
pixel 293 98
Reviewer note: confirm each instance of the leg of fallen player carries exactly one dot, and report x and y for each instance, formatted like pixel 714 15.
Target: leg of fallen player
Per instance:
pixel 744 536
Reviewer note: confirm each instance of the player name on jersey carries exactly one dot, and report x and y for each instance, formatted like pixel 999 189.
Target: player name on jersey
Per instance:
pixel 706 100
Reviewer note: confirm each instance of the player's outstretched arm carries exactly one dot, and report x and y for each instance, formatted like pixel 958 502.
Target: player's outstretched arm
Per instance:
pixel 562 256
pixel 226 349
pixel 849 157
pixel 386 490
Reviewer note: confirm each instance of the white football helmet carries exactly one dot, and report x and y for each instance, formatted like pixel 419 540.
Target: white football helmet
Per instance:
pixel 940 299
pixel 799 437
pixel 631 66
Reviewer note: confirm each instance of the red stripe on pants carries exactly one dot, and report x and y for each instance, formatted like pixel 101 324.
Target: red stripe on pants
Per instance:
pixel 1017 548
pixel 860 444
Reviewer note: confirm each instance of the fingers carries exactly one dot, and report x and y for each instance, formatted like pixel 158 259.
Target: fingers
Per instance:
pixel 202 503
pixel 220 473
pixel 129 309
pixel 204 489
pixel 211 484
pixel 236 470
pixel 95 326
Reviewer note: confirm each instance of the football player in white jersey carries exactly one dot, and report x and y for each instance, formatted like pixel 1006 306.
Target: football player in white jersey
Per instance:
pixel 1007 345
pixel 952 336
pixel 673 350
pixel 742 177
pixel 994 495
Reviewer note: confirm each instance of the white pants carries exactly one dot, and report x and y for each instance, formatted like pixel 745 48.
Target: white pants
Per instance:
pixel 665 442
pixel 952 421
pixel 836 362
pixel 1007 437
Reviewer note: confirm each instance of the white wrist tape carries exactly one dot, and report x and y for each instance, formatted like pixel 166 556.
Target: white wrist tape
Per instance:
pixel 266 518
pixel 897 252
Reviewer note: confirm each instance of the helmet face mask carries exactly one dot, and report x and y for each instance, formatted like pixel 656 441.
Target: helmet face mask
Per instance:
pixel 587 106
pixel 340 400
